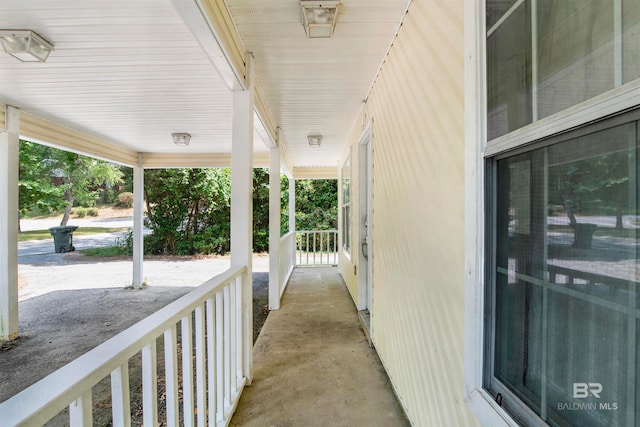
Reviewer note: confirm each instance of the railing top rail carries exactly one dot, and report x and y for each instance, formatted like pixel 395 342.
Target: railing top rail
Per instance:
pixel 332 230
pixel 287 235
pixel 593 277
pixel 44 399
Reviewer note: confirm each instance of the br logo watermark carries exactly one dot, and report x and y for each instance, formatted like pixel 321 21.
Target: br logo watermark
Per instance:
pixel 585 391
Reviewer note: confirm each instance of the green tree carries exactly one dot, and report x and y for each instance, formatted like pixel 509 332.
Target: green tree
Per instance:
pixel 261 208
pixel 188 210
pixel 35 184
pixel 80 175
pixel 596 185
pixel 317 204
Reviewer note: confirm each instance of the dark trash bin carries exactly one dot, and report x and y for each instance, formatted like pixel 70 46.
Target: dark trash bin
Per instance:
pixel 63 238
pixel 583 235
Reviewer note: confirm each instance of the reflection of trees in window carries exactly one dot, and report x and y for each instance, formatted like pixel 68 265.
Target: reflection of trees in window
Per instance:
pixel 595 186
pixel 564 311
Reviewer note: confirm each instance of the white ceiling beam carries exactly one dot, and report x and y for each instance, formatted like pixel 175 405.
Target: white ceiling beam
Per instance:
pixel 316 173
pixel 199 23
pixel 197 160
pixel 42 131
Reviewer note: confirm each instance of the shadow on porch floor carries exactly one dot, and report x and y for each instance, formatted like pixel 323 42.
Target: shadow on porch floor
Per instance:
pixel 313 365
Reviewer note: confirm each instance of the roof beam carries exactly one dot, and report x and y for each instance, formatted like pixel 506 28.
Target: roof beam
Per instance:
pixel 204 18
pixel 197 160
pixel 39 130
pixel 316 173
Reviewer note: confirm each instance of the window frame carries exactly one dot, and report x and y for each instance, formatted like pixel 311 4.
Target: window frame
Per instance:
pixel 478 153
pixel 525 414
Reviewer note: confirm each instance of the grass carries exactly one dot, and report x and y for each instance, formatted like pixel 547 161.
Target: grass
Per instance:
pixel 109 251
pixel 45 234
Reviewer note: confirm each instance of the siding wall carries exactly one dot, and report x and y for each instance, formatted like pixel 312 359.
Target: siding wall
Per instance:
pixel 417 108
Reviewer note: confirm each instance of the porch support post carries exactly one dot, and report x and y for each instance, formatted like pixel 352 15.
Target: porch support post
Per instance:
pixel 292 204
pixel 274 229
pixel 292 218
pixel 242 204
pixel 138 222
pixel 9 163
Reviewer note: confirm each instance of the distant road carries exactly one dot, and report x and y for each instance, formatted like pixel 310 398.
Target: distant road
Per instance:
pixel 45 224
pixel 41 247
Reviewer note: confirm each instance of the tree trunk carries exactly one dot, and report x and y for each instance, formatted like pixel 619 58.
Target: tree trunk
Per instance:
pixel 569 210
pixel 619 218
pixel 67 210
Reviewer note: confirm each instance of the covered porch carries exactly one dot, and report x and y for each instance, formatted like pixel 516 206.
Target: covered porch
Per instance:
pixel 312 365
pixel 122 80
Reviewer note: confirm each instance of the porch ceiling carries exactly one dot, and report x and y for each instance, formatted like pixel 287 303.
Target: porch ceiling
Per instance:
pixel 131 73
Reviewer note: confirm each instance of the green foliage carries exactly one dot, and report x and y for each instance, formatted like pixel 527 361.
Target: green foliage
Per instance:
pixel 123 247
pixel 80 212
pixel 125 200
pixel 37 190
pixel 108 251
pixel 188 210
pixel 317 204
pixel 51 179
pixel 127 178
pixel 261 208
pixel 83 176
pixel 593 186
pixel 93 211
pixel 108 195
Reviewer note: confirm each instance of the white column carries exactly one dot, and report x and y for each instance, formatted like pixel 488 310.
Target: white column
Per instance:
pixel 292 218
pixel 9 162
pixel 292 204
pixel 138 223
pixel 274 229
pixel 242 202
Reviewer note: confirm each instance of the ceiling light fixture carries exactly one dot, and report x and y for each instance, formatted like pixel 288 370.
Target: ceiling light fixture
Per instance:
pixel 181 138
pixel 25 45
pixel 319 17
pixel 314 140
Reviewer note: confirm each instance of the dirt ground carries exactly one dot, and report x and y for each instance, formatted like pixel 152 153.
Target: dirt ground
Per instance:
pixel 104 212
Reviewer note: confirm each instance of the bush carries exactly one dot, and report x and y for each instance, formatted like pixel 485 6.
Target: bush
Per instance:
pixel 125 242
pixel 93 211
pixel 86 200
pixel 125 200
pixel 80 212
pixel 108 195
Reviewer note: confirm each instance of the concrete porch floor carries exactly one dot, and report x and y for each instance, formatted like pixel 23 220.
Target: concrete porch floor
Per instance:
pixel 313 365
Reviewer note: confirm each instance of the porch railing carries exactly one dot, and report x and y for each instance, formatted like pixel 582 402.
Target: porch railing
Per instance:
pixel 215 341
pixel 287 259
pixel 316 247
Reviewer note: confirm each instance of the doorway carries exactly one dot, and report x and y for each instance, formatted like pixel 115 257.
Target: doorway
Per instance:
pixel 365 232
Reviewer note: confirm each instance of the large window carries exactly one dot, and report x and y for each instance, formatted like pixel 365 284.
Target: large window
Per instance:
pixel 563 296
pixel 562 303
pixel 544 56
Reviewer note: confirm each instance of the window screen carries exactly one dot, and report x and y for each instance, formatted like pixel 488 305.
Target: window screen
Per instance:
pixel 563 331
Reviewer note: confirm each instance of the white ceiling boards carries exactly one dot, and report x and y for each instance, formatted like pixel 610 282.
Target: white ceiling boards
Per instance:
pixel 133 73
